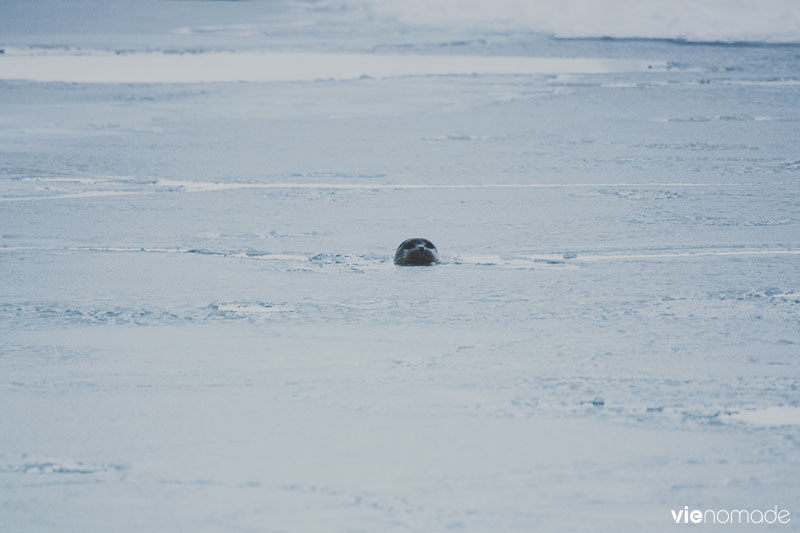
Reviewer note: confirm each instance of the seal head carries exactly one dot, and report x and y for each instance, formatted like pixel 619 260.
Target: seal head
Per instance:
pixel 416 252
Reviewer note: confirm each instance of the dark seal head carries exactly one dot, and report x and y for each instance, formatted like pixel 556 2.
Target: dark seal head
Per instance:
pixel 416 252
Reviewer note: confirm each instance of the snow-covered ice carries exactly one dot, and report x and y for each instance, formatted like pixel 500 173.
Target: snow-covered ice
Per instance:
pixel 202 329
pixel 271 66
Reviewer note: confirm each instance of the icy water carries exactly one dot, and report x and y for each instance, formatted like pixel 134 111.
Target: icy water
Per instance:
pixel 201 327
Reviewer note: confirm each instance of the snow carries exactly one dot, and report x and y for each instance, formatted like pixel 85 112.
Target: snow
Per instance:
pixel 690 20
pixel 771 416
pixel 270 67
pixel 202 329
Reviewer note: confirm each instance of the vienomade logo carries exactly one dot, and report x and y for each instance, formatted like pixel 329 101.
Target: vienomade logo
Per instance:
pixel 733 516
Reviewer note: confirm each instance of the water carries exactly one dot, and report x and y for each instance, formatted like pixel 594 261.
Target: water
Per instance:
pixel 201 327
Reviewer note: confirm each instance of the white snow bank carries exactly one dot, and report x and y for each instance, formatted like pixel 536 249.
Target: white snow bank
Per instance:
pixel 771 416
pixel 692 20
pixel 270 67
pixel 206 186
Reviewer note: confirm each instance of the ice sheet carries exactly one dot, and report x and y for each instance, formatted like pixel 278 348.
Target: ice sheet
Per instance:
pixel 202 328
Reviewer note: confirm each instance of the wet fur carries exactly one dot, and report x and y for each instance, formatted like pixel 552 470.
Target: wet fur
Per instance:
pixel 416 252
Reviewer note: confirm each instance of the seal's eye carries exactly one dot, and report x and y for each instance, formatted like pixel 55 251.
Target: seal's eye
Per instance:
pixel 428 244
pixel 409 245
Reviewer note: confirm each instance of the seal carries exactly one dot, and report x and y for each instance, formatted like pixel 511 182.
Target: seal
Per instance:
pixel 416 252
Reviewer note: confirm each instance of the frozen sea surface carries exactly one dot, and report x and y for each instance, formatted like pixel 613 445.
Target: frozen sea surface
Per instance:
pixel 201 328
